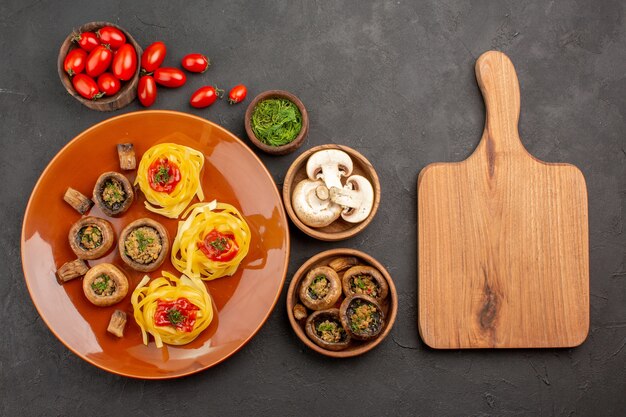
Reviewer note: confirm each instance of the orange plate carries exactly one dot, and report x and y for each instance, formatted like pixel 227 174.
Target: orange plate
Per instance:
pixel 232 174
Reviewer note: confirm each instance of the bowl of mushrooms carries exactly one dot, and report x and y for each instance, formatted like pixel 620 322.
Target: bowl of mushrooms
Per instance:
pixel 331 192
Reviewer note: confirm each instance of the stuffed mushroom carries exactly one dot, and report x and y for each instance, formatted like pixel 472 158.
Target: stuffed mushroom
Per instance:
pixel 144 244
pixel 113 193
pixel 320 289
pixel 362 317
pixel 365 280
pixel 325 330
pixel 105 285
pixel 91 237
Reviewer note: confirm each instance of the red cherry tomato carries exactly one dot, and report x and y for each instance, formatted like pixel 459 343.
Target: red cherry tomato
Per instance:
pixel 205 96
pixel 218 246
pixel 75 61
pixel 124 62
pixel 195 63
pixel 147 90
pixel 86 40
pixel 98 61
pixel 109 84
pixel 111 36
pixel 86 86
pixel 153 56
pixel 237 94
pixel 169 77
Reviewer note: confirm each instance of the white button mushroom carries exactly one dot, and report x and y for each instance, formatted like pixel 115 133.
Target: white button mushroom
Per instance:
pixel 329 165
pixel 312 205
pixel 356 198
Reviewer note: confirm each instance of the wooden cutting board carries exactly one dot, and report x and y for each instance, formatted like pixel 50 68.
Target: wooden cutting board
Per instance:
pixel 502 237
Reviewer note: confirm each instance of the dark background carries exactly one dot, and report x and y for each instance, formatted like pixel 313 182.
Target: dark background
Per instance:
pixel 395 80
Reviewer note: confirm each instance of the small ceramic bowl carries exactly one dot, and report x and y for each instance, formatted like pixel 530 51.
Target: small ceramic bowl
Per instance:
pixel 291 146
pixel 127 93
pixel 389 305
pixel 339 229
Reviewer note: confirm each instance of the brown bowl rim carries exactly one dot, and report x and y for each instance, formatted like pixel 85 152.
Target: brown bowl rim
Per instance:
pixel 283 149
pixel 319 233
pixel 364 346
pixel 122 98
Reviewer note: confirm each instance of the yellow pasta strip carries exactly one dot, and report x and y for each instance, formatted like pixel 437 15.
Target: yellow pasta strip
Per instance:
pixel 203 218
pixel 189 162
pixel 145 300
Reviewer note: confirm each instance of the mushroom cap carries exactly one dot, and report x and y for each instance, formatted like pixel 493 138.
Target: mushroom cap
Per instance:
pixel 362 189
pixel 345 311
pixel 331 314
pixel 108 237
pixel 117 208
pixel 383 287
pixel 329 165
pixel 334 292
pixel 118 277
pixel 310 209
pixel 165 244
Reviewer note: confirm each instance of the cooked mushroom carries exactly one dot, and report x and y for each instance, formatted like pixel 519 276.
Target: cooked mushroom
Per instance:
pixel 71 270
pixel 329 165
pixel 311 203
pixel 80 202
pixel 144 244
pixel 343 262
pixel 117 323
pixel 356 198
pixel 362 317
pixel 299 312
pixel 91 237
pixel 126 154
pixel 325 330
pixel 105 285
pixel 365 280
pixel 113 193
pixel 320 289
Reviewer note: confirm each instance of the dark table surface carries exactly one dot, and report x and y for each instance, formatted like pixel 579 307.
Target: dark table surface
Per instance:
pixel 395 80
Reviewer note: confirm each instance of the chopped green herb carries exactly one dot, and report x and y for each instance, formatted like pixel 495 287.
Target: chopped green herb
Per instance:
pixel 219 244
pixel 326 327
pixel 276 121
pixel 162 176
pixel 100 285
pixel 174 316
pixel 142 240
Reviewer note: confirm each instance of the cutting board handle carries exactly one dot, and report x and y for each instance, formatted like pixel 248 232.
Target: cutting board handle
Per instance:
pixel 498 83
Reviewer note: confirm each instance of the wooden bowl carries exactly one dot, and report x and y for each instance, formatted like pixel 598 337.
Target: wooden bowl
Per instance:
pixel 127 93
pixel 389 305
pixel 291 146
pixel 339 229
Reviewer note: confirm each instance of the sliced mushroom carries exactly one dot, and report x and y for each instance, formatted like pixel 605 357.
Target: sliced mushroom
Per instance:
pixel 329 165
pixel 362 317
pixel 126 155
pixel 80 202
pixel 113 193
pixel 117 323
pixel 105 285
pixel 299 312
pixel 356 198
pixel 325 330
pixel 320 288
pixel 144 244
pixel 71 270
pixel 91 237
pixel 366 280
pixel 343 262
pixel 311 203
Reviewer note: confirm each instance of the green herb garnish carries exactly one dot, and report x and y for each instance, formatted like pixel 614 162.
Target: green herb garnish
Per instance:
pixel 276 121
pixel 359 282
pixel 326 327
pixel 219 244
pixel 142 240
pixel 162 176
pixel 174 316
pixel 101 285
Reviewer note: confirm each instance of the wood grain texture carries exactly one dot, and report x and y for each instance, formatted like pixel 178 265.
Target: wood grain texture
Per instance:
pixel 503 246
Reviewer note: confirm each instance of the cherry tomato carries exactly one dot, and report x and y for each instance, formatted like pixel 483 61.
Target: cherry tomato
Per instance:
pixel 86 86
pixel 195 63
pixel 124 62
pixel 86 40
pixel 163 175
pixel 98 61
pixel 109 84
pixel 111 36
pixel 147 90
pixel 237 94
pixel 153 56
pixel 218 246
pixel 205 96
pixel 75 61
pixel 169 77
